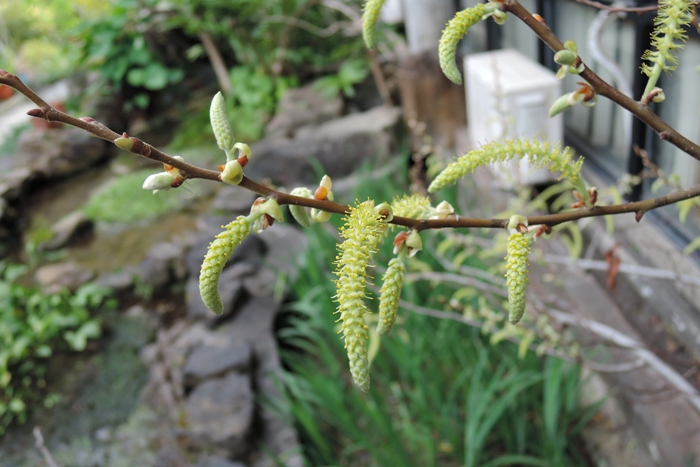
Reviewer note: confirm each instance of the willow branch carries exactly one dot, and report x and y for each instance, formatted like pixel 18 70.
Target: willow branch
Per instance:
pixel 601 87
pixel 189 171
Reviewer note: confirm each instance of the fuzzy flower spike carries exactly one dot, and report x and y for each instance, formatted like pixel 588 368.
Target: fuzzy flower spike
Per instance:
pixel 517 249
pixel 456 28
pixel 370 15
pixel 541 154
pixel 673 17
pixel 362 232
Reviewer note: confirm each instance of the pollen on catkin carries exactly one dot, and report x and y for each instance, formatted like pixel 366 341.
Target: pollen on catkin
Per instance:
pixel 370 15
pixel 455 29
pixel 517 274
pixel 390 293
pixel 414 206
pixel 362 232
pixel 672 17
pixel 541 154
pixel 214 261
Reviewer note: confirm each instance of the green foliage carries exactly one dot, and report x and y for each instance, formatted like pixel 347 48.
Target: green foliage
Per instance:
pixel 441 395
pixel 34 326
pixel 108 203
pixel 254 99
pixel 350 73
pixel 114 46
pixel 34 35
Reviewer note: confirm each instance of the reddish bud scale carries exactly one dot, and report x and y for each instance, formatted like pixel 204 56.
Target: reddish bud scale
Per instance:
pixel 178 181
pixel 539 19
pixel 638 216
pixel 88 119
pixel 400 238
pixel 243 160
pixel 270 219
pixel 38 113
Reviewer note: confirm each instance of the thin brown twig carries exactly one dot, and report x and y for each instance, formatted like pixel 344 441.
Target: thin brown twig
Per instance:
pixel 601 87
pixel 45 453
pixel 614 9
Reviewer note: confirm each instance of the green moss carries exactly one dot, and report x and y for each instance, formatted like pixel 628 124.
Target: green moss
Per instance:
pixel 123 200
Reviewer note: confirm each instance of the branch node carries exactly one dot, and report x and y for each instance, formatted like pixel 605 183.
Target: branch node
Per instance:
pixel 638 215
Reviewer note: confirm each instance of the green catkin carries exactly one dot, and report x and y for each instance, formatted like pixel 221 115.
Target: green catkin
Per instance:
pixel 370 15
pixel 541 154
pixel 362 232
pixel 390 293
pixel 517 274
pixel 456 28
pixel 220 124
pixel 670 21
pixel 413 206
pixel 299 212
pixel 214 261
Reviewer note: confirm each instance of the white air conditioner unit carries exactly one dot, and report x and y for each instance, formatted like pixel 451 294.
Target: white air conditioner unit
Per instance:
pixel 509 95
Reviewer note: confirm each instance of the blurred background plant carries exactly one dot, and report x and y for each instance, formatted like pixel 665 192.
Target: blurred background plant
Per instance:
pixel 33 327
pixel 442 393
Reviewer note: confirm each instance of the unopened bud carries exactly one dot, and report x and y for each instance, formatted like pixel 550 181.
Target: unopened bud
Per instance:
pixel 232 173
pixel 124 142
pixel 159 181
pixel 565 57
pixel 414 243
pixel 443 210
pixel 320 216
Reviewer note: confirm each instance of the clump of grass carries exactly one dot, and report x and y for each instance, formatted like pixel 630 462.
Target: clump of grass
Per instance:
pixel 123 200
pixel 441 394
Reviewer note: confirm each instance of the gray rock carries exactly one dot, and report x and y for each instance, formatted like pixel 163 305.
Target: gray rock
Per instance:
pixel 54 277
pixel 284 245
pixel 53 154
pixel 232 200
pixel 254 324
pixel 68 230
pixel 215 461
pixel 119 282
pixel 262 283
pixel 210 361
pixel 340 146
pixel 303 106
pixel 13 183
pixel 158 268
pixel 220 412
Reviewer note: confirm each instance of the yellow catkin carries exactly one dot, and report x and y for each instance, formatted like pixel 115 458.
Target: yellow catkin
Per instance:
pixel 214 261
pixel 370 15
pixel 362 234
pixel 541 154
pixel 669 35
pixel 413 206
pixel 517 274
pixel 390 294
pixel 456 28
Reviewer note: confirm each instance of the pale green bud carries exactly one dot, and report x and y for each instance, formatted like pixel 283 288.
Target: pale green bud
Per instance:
pixel 220 124
pixel 232 173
